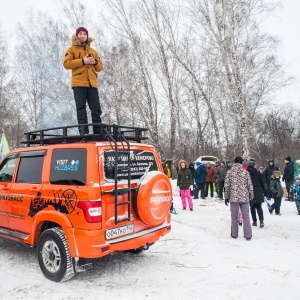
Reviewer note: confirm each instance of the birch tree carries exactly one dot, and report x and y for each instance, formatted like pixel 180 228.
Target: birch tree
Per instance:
pixel 148 102
pixel 245 57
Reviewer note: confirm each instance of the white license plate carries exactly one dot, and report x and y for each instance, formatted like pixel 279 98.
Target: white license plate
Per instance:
pixel 119 231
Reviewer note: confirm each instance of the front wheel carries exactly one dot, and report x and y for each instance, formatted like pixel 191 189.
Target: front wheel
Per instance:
pixel 54 256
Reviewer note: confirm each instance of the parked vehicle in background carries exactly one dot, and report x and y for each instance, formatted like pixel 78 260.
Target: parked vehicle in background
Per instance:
pixel 205 159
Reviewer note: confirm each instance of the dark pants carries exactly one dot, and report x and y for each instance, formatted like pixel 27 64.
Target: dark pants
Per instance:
pixel 199 187
pixel 217 187
pixel 89 95
pixel 276 205
pixel 288 185
pixel 234 208
pixel 211 186
pixel 297 201
pixel 257 207
pixel 221 187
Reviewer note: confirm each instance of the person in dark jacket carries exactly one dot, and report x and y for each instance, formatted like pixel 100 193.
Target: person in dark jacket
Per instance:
pixel 209 180
pixel 277 191
pixel 258 199
pixel 216 166
pixel 261 171
pixel 184 181
pixel 288 175
pixel 200 178
pixel 267 176
pixel 221 178
pixel 193 172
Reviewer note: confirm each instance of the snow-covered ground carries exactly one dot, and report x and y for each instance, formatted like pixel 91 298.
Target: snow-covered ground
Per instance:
pixel 197 260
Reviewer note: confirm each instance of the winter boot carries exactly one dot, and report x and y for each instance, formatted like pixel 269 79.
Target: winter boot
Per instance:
pixel 261 224
pixel 254 224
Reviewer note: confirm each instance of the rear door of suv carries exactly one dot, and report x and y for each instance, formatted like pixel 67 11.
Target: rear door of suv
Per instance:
pixel 142 160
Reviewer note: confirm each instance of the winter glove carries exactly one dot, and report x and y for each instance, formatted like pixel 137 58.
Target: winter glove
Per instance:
pixel 226 202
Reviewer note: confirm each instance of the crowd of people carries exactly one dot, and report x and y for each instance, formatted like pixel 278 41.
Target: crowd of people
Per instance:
pixel 241 185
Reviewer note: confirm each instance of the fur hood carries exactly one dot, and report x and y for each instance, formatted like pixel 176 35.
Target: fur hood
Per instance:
pixel 76 41
pixel 275 173
pixel 183 161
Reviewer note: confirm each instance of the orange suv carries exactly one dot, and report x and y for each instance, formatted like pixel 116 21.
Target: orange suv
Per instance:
pixel 82 197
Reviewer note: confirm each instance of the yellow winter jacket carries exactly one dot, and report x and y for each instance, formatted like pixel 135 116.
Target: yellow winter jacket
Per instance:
pixel 82 75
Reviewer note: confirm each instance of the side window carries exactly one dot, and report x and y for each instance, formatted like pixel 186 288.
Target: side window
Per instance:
pixel 30 169
pixel 7 169
pixel 68 166
pixel 140 162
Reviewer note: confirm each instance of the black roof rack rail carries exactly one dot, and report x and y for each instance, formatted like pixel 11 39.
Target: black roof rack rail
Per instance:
pixel 62 135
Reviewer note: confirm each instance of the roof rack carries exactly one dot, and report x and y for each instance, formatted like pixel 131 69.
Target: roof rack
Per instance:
pixel 62 135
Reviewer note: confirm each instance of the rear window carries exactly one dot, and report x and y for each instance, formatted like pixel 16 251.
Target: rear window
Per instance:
pixel 68 166
pixel 140 161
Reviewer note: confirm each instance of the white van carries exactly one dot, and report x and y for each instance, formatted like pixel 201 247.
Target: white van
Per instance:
pixel 207 159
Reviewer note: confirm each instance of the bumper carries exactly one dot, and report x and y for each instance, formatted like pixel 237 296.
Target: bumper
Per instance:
pixel 92 244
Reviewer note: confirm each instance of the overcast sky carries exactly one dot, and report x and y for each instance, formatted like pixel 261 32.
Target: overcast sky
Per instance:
pixel 285 24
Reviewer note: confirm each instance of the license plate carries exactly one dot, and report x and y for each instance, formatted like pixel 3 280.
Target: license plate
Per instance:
pixel 119 231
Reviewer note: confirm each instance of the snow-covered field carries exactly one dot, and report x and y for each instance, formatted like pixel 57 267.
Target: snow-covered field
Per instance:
pixel 197 260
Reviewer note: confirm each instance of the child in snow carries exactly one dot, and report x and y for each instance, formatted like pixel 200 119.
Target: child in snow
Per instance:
pixel 184 181
pixel 296 193
pixel 277 191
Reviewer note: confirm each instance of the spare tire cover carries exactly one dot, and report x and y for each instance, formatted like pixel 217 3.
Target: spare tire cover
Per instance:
pixel 153 198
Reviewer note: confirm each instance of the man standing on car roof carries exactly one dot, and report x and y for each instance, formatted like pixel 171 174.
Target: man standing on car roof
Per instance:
pixel 84 62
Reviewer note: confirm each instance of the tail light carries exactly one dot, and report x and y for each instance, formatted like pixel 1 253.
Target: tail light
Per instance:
pixel 92 210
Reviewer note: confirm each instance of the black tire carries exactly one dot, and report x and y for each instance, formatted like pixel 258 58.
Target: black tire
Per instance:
pixel 54 256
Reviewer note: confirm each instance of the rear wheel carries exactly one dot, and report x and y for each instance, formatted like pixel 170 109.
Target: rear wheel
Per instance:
pixel 54 256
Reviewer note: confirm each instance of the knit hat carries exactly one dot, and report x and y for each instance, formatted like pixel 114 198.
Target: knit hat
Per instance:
pixel 198 163
pixel 288 158
pixel 81 29
pixel 238 160
pixel 250 164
